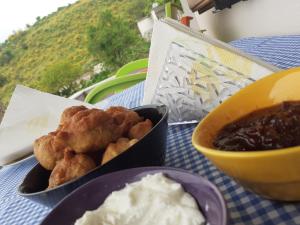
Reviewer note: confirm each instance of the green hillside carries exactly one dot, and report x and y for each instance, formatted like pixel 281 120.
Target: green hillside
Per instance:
pixel 59 37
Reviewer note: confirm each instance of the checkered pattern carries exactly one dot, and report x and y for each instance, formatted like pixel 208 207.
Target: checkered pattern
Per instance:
pixel 282 51
pixel 244 207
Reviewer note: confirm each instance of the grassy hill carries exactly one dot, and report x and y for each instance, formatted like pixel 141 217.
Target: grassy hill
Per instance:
pixel 60 36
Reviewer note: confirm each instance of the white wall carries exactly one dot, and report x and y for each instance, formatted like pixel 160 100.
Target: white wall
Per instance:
pixel 251 18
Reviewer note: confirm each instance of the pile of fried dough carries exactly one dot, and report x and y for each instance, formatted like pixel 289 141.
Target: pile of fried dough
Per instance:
pixel 71 151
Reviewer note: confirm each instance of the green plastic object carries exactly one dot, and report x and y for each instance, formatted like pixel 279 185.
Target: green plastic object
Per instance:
pixel 172 8
pixel 112 87
pixel 137 66
pixel 168 9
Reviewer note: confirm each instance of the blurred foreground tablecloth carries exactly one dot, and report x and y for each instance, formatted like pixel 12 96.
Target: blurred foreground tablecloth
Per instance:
pixel 243 207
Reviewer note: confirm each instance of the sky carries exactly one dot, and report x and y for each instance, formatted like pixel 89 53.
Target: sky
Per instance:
pixel 15 14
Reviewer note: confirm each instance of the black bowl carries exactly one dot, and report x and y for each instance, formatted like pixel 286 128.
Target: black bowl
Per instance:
pixel 149 151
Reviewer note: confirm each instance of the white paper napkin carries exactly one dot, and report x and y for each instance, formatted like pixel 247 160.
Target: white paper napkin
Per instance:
pixel 29 115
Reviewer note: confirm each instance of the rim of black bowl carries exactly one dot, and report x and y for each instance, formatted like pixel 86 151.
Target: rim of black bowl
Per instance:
pixel 151 106
pixel 145 169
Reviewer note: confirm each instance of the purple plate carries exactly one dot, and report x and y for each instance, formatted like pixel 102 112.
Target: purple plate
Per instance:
pixel 93 194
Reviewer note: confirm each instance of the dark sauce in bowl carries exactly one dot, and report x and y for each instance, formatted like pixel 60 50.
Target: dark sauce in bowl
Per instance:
pixel 270 128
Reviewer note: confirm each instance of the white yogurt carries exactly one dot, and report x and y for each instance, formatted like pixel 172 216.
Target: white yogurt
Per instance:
pixel 155 200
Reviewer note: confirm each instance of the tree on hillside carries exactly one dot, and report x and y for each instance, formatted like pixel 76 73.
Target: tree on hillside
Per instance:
pixel 2 109
pixel 5 57
pixel 58 76
pixel 3 81
pixel 115 42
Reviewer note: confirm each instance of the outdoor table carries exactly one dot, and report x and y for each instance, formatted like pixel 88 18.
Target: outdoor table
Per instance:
pixel 243 206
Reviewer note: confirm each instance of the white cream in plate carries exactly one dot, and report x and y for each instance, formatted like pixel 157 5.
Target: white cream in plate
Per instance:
pixel 154 200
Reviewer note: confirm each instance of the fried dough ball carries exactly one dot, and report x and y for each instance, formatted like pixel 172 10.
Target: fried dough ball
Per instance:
pixel 68 113
pixel 89 130
pixel 115 149
pixel 125 118
pixel 70 167
pixel 48 149
pixel 140 129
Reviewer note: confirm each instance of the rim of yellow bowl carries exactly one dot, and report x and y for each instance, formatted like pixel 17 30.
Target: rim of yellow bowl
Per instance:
pixel 238 154
pixel 242 154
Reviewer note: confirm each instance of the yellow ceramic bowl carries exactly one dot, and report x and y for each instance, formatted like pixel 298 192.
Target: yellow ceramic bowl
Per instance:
pixel 274 174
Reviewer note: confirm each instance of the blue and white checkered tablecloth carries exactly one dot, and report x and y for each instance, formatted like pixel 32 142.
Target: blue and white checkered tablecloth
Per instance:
pixel 243 207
